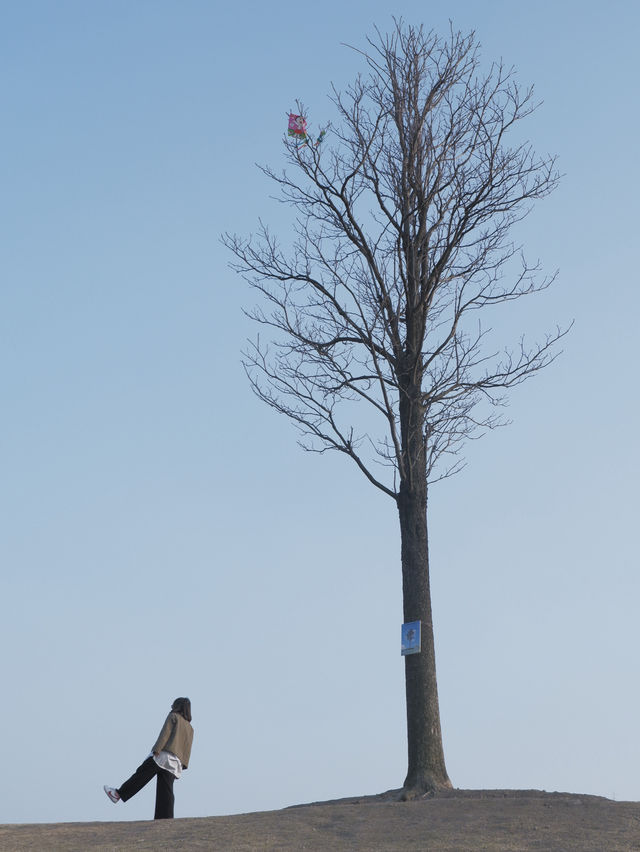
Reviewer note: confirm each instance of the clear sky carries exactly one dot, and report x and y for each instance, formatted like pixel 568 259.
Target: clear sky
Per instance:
pixel 161 532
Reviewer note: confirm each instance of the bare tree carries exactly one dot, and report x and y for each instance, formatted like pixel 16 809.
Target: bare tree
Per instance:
pixel 402 234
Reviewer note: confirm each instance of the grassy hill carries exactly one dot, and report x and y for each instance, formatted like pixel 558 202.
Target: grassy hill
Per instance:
pixel 457 821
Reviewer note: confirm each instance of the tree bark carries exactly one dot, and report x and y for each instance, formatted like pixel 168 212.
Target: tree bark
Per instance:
pixel 426 771
pixel 426 767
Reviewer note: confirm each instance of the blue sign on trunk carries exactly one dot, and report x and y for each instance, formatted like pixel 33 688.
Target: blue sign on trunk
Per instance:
pixel 410 643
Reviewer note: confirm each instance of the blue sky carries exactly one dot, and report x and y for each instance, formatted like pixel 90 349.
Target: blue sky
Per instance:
pixel 161 532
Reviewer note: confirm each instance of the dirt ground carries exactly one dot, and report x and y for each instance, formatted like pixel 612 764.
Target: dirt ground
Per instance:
pixel 457 821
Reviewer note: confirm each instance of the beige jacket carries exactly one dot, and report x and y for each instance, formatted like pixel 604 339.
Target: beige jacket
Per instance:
pixel 176 736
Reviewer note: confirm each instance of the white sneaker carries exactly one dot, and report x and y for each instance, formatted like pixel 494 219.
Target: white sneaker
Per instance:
pixel 112 793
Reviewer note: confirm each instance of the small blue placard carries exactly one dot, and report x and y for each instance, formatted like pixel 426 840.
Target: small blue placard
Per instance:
pixel 410 642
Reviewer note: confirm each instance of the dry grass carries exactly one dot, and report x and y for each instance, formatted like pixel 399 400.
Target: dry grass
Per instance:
pixel 458 821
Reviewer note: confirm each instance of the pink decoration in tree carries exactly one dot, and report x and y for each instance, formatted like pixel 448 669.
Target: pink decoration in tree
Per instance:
pixel 297 126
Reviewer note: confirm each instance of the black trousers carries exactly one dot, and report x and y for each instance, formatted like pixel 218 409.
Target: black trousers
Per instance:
pixel 164 787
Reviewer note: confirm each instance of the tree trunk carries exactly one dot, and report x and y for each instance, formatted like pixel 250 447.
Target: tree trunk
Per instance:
pixel 427 771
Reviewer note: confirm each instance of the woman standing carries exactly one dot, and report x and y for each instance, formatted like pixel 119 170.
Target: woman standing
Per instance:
pixel 169 756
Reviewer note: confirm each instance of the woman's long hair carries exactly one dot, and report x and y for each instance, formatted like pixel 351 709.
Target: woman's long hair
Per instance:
pixel 183 707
